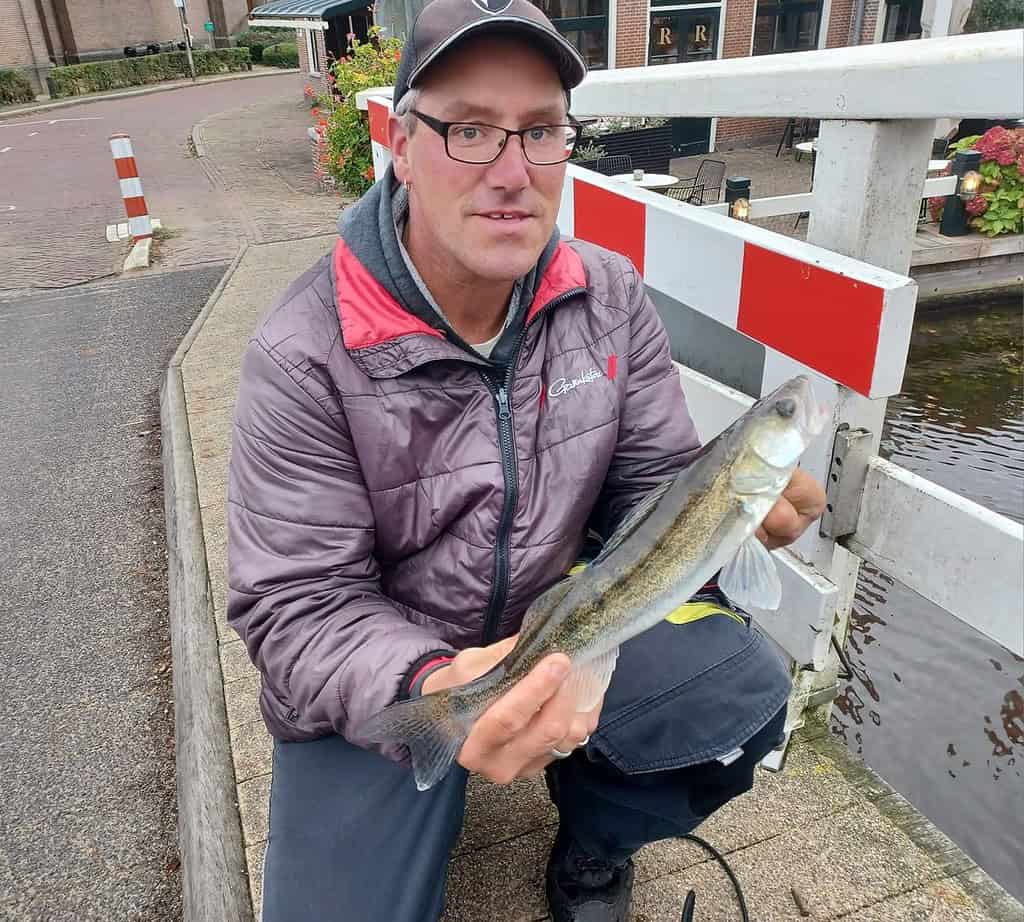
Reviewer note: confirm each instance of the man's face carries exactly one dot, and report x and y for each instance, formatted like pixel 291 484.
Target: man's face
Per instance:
pixel 486 222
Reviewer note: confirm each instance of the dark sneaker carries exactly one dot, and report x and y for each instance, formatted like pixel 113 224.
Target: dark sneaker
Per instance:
pixel 583 889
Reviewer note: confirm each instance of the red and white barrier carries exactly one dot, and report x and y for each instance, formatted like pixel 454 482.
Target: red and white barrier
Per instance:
pixel 139 224
pixel 846 320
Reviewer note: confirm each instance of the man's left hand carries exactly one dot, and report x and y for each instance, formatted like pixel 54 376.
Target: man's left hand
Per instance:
pixel 801 503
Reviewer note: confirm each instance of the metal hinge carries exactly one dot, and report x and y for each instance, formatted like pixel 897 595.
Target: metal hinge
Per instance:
pixel 844 487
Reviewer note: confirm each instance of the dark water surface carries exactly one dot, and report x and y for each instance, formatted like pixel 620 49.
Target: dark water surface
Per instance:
pixel 936 708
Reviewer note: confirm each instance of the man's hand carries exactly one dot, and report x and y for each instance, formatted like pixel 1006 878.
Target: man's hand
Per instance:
pixel 514 737
pixel 801 503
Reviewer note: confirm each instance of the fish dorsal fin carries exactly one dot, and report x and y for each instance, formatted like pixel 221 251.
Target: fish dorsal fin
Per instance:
pixel 751 577
pixel 545 603
pixel 636 517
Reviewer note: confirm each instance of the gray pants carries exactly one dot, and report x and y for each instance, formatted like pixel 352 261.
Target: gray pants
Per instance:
pixel 352 840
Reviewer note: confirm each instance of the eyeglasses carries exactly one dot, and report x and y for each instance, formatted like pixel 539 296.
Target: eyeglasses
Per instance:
pixel 471 142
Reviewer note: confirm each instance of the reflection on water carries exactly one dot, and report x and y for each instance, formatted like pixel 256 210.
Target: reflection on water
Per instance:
pixel 934 707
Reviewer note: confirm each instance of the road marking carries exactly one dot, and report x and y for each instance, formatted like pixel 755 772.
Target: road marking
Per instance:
pixel 84 118
pixel 4 151
pixel 12 207
pixel 32 134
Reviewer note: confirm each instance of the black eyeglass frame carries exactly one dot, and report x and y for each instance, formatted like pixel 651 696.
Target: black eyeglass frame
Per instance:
pixel 442 129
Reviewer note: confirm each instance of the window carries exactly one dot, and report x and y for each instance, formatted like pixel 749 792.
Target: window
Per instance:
pixel 786 25
pixel 902 21
pixel 313 51
pixel 584 23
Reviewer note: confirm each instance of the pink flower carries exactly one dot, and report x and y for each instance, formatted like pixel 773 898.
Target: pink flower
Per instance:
pixel 976 206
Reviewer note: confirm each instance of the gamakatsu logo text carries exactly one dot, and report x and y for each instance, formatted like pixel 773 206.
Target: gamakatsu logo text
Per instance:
pixel 565 385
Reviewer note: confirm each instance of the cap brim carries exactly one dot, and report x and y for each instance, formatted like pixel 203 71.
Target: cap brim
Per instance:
pixel 570 65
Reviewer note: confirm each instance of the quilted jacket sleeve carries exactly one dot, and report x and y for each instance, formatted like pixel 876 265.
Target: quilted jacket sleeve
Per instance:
pixel 657 438
pixel 304 586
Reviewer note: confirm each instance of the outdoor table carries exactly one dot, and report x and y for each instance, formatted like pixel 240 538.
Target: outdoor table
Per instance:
pixel 806 147
pixel 936 165
pixel 656 182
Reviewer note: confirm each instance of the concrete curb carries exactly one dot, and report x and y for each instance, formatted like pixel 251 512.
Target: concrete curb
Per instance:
pixel 213 869
pixel 142 91
pixel 951 859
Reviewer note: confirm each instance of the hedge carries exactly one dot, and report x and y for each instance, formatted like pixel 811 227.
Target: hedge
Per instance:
pixel 76 79
pixel 256 40
pixel 14 87
pixel 283 54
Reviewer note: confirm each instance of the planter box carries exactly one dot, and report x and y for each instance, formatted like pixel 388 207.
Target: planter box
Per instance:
pixel 649 148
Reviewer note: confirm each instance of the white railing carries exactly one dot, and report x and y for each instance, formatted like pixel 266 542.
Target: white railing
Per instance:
pixel 729 280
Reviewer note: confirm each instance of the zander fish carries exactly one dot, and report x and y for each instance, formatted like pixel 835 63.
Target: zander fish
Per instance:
pixel 679 536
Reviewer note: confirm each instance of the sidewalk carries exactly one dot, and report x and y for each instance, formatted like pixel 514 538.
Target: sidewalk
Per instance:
pixel 47 105
pixel 826 827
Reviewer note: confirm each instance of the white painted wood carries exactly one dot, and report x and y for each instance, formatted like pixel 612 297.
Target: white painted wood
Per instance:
pixel 770 207
pixel 976 76
pixel 795 204
pixel 963 557
pixel 304 24
pixel 382 94
pixel 713 406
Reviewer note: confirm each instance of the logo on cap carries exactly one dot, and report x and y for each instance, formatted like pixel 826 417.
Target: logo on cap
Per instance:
pixel 493 6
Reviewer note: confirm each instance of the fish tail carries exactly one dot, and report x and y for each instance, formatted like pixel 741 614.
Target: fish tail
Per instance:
pixel 428 728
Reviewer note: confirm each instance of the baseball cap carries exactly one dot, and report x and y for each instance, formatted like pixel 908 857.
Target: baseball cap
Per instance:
pixel 442 24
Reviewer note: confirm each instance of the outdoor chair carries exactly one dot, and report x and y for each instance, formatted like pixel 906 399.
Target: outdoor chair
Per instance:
pixel 704 188
pixel 609 166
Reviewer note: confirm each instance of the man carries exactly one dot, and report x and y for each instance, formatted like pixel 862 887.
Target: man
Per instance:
pixel 429 422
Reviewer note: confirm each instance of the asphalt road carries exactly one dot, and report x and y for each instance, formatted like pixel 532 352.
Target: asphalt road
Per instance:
pixel 87 791
pixel 58 191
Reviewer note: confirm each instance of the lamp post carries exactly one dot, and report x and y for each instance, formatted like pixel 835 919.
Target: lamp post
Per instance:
pixel 954 212
pixel 737 196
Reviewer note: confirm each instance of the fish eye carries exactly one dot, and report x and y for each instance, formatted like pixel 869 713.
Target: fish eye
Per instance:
pixel 785 407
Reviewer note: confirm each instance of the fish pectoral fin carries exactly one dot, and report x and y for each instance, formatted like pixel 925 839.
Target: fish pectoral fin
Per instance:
pixel 433 744
pixel 751 578
pixel 589 680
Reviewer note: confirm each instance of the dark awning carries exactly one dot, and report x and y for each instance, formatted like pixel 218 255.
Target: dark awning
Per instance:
pixel 306 9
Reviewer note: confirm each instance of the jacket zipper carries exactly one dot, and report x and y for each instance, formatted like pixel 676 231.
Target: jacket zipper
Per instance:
pixel 509 468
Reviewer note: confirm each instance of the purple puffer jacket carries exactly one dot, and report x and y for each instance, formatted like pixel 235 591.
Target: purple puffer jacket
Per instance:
pixel 393 494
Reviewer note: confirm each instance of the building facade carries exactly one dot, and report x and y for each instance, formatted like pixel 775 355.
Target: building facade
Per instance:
pixel 36 35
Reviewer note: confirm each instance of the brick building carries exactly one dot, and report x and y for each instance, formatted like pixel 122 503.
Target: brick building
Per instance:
pixel 35 35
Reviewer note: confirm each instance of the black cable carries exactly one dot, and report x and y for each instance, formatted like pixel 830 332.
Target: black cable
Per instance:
pixel 717 855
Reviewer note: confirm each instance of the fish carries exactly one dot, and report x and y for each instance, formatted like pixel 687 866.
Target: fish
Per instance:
pixel 697 524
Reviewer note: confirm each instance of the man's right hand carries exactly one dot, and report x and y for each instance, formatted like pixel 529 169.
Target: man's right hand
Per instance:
pixel 515 736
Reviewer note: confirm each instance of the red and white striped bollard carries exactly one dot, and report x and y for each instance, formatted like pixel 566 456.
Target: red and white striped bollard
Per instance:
pixel 139 224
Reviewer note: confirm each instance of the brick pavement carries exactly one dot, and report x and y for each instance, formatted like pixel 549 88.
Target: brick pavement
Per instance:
pixel 59 191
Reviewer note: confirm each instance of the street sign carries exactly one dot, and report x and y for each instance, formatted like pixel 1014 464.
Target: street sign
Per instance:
pixel 208 26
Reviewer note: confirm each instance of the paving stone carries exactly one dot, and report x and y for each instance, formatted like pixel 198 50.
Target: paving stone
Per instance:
pixel 495 812
pixel 234 661
pixel 254 857
pixel 241 699
pixel 252 749
pixel 254 809
pixel 941 901
pixel 505 881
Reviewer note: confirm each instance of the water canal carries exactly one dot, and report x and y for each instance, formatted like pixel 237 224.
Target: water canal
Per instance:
pixel 936 708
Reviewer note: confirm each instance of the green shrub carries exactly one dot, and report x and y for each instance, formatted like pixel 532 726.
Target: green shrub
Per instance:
pixel 14 87
pixel 258 40
pixel 995 15
pixel 370 63
pixel 76 79
pixel 283 54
